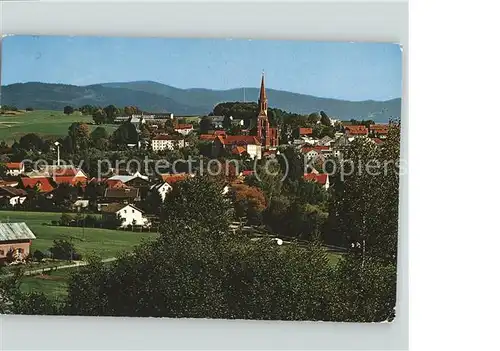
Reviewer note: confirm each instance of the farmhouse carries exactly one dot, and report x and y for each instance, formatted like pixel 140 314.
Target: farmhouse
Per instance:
pixel 15 237
pixel 129 214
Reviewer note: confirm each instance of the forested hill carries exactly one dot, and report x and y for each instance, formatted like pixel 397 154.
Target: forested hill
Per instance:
pixel 157 97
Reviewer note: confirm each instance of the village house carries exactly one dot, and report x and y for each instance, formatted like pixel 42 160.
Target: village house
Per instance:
pixel 305 131
pixel 129 214
pixel 217 121
pixel 316 152
pixel 60 174
pixel 239 144
pixel 162 189
pixel 13 196
pixel 80 205
pixel 124 195
pixel 320 178
pixel 207 137
pixel 39 184
pixel 15 237
pixel 379 131
pixel 172 178
pixel 183 129
pixel 14 168
pixel 167 142
pixel 339 145
pixel 13 183
pixel 356 131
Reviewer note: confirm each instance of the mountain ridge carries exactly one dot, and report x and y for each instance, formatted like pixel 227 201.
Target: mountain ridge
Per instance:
pixel 157 97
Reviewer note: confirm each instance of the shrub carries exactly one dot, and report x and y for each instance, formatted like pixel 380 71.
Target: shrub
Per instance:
pixel 63 250
pixel 38 255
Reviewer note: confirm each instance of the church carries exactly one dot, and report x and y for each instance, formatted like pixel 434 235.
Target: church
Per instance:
pixel 268 136
pixel 265 137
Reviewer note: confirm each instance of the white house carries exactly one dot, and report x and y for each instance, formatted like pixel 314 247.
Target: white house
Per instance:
pixel 166 142
pixel 14 168
pixel 162 188
pixel 13 195
pixel 130 214
pixel 184 129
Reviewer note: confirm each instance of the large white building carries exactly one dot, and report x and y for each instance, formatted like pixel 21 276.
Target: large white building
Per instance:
pixel 167 142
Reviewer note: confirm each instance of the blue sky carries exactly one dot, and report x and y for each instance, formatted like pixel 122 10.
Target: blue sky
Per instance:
pixel 351 71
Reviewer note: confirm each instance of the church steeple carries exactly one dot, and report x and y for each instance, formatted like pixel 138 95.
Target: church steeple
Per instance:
pixel 262 98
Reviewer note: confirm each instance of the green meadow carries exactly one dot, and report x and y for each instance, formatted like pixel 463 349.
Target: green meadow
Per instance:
pixel 45 123
pixel 105 243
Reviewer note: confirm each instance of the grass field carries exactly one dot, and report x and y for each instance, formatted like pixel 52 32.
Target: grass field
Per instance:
pixel 54 284
pixel 103 242
pixel 45 123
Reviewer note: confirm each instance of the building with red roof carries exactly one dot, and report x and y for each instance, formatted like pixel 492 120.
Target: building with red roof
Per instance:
pixel 356 130
pixel 241 143
pixel 379 130
pixel 172 178
pixel 316 151
pixel 183 129
pixel 207 137
pixel 305 131
pixel 14 168
pixel 320 178
pixel 43 185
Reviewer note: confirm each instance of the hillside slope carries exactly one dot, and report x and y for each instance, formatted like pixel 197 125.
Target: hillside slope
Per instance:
pixel 157 97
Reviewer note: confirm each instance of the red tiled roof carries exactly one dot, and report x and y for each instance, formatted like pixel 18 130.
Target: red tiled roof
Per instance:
pixel 247 173
pixel 220 132
pixel 357 130
pixel 319 178
pixel 173 178
pixel 377 141
pixel 239 140
pixel 207 137
pixel 305 131
pixel 380 128
pixel 239 150
pixel 184 126
pixel 14 165
pixel 69 179
pixel 319 148
pixel 43 184
pixel 114 183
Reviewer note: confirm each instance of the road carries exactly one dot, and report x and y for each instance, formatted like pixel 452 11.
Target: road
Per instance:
pixel 73 265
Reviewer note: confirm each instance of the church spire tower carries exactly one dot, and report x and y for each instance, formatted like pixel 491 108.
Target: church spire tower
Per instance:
pixel 262 97
pixel 262 120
